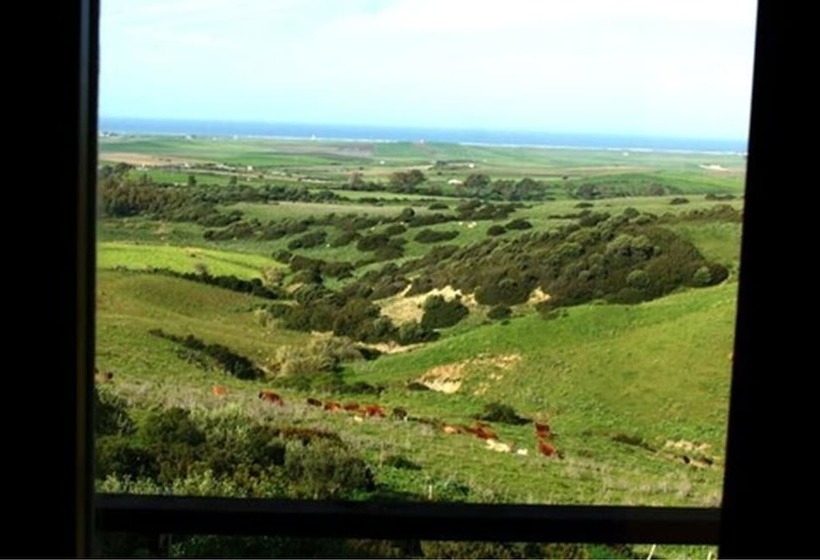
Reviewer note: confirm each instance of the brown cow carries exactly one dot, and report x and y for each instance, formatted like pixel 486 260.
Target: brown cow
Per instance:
pixel 351 407
pixel 374 410
pixel 399 414
pixel 543 430
pixel 104 377
pixel 332 406
pixel 271 397
pixel 219 390
pixel 314 402
pixel 545 448
pixel 448 429
pixel 482 431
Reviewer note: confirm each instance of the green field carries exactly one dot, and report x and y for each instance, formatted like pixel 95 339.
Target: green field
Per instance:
pixel 636 393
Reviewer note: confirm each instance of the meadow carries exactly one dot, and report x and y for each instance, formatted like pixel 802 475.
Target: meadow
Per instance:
pixel 632 376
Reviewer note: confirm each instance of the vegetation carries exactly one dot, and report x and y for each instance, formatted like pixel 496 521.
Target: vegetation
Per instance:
pixel 533 286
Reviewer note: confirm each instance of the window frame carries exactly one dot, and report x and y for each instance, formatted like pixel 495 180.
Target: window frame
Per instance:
pixel 728 526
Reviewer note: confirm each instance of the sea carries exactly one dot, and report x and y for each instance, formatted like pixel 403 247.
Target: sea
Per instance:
pixel 467 136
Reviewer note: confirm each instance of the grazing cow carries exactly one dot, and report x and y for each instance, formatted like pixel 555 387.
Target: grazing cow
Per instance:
pixel 481 430
pixel 271 397
pixel 104 377
pixel 374 410
pixel 543 430
pixel 546 448
pixel 351 407
pixel 399 414
pixel 521 451
pixel 314 402
pixel 219 390
pixel 332 406
pixel 448 429
pixel 358 418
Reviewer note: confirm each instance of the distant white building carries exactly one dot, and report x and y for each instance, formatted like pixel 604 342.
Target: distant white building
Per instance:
pixel 456 182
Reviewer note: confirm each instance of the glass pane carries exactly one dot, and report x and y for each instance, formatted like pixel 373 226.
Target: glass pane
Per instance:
pixel 425 251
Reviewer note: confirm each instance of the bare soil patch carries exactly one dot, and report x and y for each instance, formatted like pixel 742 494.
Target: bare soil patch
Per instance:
pixel 146 160
pixel 404 309
pixel 448 378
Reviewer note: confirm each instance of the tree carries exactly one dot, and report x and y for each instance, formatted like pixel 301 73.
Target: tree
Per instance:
pixel 477 181
pixel 406 181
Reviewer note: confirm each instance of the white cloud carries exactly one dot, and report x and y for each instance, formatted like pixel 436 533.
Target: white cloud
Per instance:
pixel 530 62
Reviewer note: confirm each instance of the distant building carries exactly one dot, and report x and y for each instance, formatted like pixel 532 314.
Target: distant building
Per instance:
pixel 456 182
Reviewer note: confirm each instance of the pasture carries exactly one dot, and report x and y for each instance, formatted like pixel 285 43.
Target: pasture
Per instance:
pixel 636 393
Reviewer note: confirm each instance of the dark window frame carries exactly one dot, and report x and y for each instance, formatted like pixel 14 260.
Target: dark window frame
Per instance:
pixel 738 525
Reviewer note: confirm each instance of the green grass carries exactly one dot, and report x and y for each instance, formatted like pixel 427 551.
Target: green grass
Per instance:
pixel 181 259
pixel 602 370
pixel 653 372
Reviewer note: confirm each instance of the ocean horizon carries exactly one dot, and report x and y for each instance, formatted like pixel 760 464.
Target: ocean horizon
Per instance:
pixel 365 133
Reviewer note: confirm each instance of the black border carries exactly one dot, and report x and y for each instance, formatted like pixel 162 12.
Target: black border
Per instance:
pixel 759 517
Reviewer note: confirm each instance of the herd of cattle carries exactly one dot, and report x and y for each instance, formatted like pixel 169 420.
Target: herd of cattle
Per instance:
pixel 481 430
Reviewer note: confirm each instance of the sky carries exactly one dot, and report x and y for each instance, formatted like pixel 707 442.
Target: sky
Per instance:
pixel 680 68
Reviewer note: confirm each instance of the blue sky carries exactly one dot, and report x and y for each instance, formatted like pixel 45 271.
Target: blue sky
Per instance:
pixel 654 67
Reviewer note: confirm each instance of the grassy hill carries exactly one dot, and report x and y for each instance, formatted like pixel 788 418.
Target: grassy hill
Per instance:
pixel 637 395
pixel 617 384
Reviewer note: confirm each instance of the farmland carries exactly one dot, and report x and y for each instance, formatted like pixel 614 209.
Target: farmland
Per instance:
pixel 456 295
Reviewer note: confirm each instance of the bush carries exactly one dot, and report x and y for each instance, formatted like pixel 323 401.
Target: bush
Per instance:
pixel 171 426
pixel 308 240
pixel 499 312
pixel 327 470
pixel 432 236
pixel 233 363
pixel 519 223
pixel 679 200
pixel 394 229
pixel 502 413
pixel 115 455
pixel 413 332
pixel 504 291
pixel 345 238
pixel 111 414
pixel 702 277
pixel 440 313
pixel 372 242
pixel 496 230
pixel 639 279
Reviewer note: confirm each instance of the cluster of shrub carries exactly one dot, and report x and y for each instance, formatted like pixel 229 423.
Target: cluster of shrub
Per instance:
pixel 254 286
pixel 122 196
pixel 225 359
pixel 474 185
pixel 318 309
pixel 625 258
pixel 174 451
pixel 385 244
pixel 618 187
pixel 238 455
pixel 718 212
pixel 501 413
pixel 479 185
